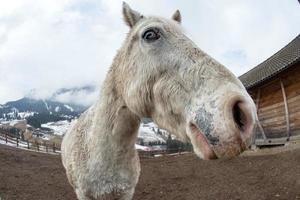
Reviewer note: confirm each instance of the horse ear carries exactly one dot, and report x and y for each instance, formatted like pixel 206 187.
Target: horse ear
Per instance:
pixel 131 17
pixel 177 16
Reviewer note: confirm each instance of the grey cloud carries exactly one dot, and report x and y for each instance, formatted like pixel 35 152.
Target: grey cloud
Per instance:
pixel 53 44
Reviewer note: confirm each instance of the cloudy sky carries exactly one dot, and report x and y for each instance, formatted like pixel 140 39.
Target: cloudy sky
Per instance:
pixel 50 44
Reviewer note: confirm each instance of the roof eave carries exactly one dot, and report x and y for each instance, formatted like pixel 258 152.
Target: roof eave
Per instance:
pixel 259 82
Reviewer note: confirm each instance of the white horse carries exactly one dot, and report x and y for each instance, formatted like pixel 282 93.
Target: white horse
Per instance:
pixel 162 74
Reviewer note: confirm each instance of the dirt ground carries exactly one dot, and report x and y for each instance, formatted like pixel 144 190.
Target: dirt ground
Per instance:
pixel 36 176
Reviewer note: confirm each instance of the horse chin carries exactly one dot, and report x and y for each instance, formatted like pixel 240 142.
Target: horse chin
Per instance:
pixel 203 149
pixel 207 151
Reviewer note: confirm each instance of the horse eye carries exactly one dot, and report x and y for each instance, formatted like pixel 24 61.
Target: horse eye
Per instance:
pixel 151 35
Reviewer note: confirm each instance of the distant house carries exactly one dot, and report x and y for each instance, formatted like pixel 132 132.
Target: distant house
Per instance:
pixel 275 88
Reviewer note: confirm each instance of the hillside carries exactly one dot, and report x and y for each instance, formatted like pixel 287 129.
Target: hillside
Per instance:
pixel 61 105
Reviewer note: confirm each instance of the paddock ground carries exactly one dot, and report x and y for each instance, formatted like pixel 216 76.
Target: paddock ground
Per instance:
pixel 26 175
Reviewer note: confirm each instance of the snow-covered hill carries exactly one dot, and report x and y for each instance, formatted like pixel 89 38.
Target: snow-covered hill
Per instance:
pixel 60 105
pixel 148 133
pixel 59 127
pixel 38 111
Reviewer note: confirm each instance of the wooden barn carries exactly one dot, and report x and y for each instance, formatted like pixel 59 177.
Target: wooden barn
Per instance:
pixel 275 88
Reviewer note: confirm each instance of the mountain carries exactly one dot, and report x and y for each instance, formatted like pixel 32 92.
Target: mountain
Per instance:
pixel 26 108
pixel 44 106
pixel 61 105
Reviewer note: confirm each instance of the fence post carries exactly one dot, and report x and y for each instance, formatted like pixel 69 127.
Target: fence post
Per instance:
pixel 27 144
pixel 17 141
pixel 46 147
pixel 53 147
pixel 37 146
pixel 5 137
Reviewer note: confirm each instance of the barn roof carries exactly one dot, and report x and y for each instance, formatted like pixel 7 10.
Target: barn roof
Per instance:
pixel 280 61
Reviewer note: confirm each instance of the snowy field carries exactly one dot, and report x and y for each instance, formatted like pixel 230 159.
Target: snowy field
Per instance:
pixel 148 132
pixel 59 128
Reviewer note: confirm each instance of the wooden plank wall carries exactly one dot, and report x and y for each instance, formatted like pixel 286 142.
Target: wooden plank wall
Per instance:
pixel 272 112
pixel 291 82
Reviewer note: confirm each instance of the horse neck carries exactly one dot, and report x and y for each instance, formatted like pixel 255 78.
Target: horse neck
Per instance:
pixel 115 125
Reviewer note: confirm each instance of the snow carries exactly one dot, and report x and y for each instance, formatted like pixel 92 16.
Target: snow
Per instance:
pixel 14 122
pixel 143 148
pixel 24 115
pixel 46 105
pixel 13 112
pixel 4 122
pixel 10 114
pixel 13 143
pixel 59 127
pixel 67 116
pixel 57 108
pixel 69 107
pixel 46 137
pixel 148 132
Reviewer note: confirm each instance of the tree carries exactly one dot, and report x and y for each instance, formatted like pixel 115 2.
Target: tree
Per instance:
pixel 33 122
pixel 142 142
pixel 174 146
pixel 41 118
pixel 159 132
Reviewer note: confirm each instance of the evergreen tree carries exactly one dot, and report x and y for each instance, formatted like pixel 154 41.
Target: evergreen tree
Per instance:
pixel 142 142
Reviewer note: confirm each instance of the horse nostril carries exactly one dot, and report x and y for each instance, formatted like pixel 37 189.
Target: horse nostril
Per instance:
pixel 240 113
pixel 239 117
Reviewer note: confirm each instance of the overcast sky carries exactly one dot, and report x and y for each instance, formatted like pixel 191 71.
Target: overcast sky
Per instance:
pixel 50 44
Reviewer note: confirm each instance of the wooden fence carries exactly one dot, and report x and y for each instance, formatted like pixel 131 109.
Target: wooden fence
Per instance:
pixel 45 146
pixel 155 153
pixel 14 140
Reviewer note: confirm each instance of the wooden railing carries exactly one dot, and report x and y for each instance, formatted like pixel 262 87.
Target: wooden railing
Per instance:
pixel 155 153
pixel 14 140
